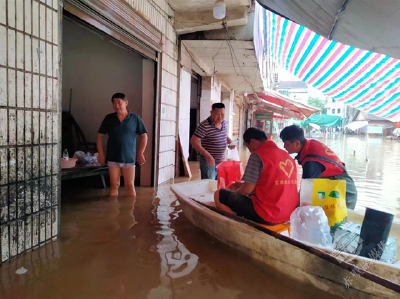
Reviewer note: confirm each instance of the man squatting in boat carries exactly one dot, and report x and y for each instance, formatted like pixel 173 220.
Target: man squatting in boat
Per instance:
pixel 318 161
pixel 267 193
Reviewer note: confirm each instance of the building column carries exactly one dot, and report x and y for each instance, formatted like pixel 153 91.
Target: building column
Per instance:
pixel 205 100
pixel 184 111
pixel 210 94
pixel 228 99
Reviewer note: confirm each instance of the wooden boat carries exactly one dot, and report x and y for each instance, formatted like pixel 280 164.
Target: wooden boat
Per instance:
pixel 341 275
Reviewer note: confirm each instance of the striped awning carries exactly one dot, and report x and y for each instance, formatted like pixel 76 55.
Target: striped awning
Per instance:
pixel 364 80
pixel 279 103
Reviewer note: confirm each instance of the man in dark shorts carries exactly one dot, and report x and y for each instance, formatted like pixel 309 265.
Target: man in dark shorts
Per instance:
pixel 268 191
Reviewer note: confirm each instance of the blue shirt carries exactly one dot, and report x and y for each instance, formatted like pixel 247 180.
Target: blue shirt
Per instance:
pixel 121 145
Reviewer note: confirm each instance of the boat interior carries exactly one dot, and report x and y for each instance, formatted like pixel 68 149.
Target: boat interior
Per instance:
pixel 203 192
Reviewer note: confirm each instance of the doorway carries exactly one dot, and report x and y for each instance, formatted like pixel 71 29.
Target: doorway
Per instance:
pixel 95 66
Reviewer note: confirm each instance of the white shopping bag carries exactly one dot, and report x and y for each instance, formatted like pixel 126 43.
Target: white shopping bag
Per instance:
pixel 233 155
pixel 306 191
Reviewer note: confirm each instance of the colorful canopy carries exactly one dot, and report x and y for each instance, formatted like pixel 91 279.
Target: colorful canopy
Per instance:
pixel 372 25
pixel 323 120
pixel 283 105
pixel 365 80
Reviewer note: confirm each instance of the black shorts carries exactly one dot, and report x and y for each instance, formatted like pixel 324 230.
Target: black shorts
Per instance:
pixel 242 205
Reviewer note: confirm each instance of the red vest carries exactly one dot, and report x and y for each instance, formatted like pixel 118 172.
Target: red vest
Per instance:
pixel 276 195
pixel 314 147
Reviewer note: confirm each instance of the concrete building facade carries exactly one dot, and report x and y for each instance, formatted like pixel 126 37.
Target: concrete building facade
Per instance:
pixel 220 57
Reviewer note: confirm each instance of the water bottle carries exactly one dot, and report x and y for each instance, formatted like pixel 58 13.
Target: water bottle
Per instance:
pixel 65 155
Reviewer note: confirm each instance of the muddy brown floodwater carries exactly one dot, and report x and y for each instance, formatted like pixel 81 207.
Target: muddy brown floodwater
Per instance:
pixel 119 248
pixel 374 165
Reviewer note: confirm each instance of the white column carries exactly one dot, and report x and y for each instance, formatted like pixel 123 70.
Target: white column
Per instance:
pixel 184 111
pixel 228 99
pixel 205 100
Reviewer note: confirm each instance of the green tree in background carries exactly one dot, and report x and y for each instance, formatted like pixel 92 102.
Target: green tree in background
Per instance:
pixel 317 103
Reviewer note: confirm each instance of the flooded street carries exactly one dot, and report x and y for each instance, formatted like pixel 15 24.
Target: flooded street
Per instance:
pixel 119 248
pixel 378 178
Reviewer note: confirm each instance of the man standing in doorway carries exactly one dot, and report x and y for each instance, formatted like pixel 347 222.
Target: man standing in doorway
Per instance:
pixel 210 140
pixel 318 161
pixel 122 128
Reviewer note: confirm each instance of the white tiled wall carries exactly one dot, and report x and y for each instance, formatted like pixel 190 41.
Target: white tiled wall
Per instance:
pixel 168 116
pixel 29 123
pixel 159 13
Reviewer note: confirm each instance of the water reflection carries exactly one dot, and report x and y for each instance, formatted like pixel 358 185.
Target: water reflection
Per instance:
pixel 122 248
pixel 176 260
pixel 195 265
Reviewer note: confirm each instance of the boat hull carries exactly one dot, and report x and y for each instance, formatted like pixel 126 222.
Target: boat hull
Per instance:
pixel 289 259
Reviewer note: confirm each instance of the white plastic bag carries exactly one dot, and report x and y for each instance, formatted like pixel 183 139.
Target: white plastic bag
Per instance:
pixel 306 191
pixel 310 224
pixel 233 155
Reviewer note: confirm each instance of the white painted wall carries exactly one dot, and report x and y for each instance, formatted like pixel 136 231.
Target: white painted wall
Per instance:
pixel 205 104
pixel 215 90
pixel 228 100
pixel 210 94
pixel 95 69
pixel 335 105
pixel 299 95
pixel 205 99
pixel 184 111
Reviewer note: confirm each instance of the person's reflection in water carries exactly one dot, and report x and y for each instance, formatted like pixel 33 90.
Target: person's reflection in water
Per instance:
pixel 176 260
pixel 121 220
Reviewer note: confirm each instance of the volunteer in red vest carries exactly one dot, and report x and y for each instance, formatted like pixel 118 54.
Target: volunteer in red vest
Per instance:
pixel 267 193
pixel 318 161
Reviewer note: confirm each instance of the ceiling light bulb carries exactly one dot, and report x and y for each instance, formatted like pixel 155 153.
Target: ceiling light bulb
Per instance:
pixel 219 10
